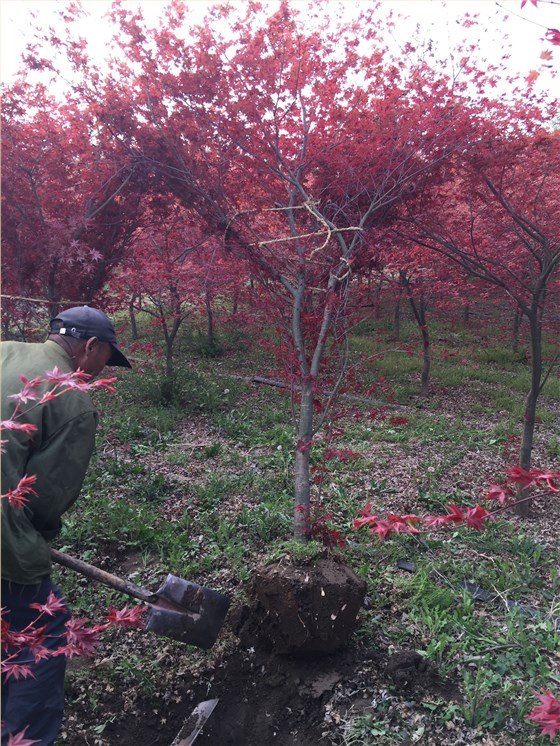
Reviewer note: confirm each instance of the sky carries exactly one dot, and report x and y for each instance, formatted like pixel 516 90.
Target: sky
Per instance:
pixel 525 27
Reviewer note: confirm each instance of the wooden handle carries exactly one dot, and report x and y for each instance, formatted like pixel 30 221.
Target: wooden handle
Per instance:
pixel 125 586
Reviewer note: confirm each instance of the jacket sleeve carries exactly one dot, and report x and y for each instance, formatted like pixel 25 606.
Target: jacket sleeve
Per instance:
pixel 60 465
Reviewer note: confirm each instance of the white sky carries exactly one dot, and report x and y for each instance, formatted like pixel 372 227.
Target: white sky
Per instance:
pixel 525 28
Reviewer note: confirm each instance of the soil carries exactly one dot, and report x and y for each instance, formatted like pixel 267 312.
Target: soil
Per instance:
pixel 304 610
pixel 266 698
pixel 294 663
pixel 293 678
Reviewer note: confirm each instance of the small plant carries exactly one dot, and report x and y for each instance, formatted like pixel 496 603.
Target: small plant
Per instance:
pixel 553 447
pixel 214 491
pixel 99 729
pixel 502 357
pixel 481 708
pixel 178 458
pixel 296 551
pixel 367 730
pixel 208 348
pixel 210 451
pixel 264 523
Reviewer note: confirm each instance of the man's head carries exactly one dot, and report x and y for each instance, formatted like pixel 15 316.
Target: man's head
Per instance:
pixel 88 336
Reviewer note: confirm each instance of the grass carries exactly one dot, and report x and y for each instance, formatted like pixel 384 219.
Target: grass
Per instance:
pixel 232 509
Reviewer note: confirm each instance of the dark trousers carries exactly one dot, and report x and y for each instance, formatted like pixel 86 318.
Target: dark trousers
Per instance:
pixel 35 702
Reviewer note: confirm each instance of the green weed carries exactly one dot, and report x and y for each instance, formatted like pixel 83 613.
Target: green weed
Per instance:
pixel 553 447
pixel 502 357
pixel 264 523
pixel 367 730
pixel 178 458
pixel 211 451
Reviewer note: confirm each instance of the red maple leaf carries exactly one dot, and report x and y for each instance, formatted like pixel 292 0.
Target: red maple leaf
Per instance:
pixel 342 454
pixel 553 36
pixel 59 376
pixel 436 521
pixel 522 477
pixel 382 528
pixel 51 607
pixel 533 2
pixel 303 445
pixel 396 421
pixel 20 740
pixel 476 517
pixel 546 714
pixel 81 640
pixel 359 522
pixel 455 514
pixel 366 519
pixel 550 478
pixel 17 497
pixel 403 524
pixel 126 617
pixel 16 670
pixel 535 478
pixel 501 494
pixel 25 427
pixel 104 383
pixel 28 392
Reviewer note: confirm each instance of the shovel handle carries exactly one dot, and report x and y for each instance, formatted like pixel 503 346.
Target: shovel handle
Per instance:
pixel 119 584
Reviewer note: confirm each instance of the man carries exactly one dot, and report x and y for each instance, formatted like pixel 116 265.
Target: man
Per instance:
pixel 57 454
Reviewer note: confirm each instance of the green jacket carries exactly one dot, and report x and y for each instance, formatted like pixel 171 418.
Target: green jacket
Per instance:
pixel 58 453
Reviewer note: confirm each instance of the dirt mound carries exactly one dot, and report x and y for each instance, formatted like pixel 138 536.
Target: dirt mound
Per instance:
pixel 305 609
pixel 272 699
pixel 296 611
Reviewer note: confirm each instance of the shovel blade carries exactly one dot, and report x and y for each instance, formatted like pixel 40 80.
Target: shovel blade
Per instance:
pixel 188 612
pixel 195 723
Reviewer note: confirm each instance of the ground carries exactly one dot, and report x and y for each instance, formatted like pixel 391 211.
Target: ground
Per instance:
pixel 267 698
pixel 269 690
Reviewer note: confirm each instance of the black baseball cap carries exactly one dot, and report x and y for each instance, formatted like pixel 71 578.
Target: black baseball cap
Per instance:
pixel 84 322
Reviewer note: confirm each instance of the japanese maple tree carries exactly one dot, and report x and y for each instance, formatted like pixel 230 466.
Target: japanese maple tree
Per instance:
pixel 65 223
pixel 497 217
pixel 286 149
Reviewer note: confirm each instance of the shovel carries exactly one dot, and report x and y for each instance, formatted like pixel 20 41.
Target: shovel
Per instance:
pixel 180 609
pixel 195 723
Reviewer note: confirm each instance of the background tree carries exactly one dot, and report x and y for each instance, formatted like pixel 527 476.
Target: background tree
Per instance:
pixel 498 218
pixel 65 222
pixel 175 272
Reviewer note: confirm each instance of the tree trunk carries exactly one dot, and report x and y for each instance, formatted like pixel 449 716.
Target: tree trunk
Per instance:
pixel 169 367
pixel 169 339
pixel 378 289
pixel 397 319
pixel 251 293
pixel 419 311
pixel 132 317
pixel 517 321
pixel 426 361
pixel 210 321
pixel 302 482
pixel 526 451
